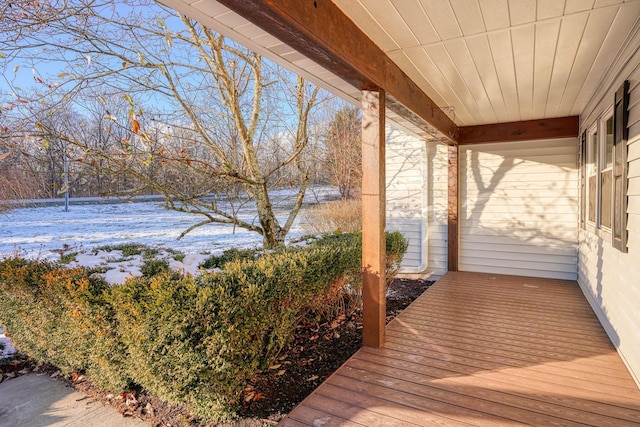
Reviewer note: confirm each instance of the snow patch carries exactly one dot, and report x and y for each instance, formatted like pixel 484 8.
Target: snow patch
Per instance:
pixel 6 347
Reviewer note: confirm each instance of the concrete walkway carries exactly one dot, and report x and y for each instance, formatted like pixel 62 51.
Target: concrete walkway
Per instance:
pixel 36 400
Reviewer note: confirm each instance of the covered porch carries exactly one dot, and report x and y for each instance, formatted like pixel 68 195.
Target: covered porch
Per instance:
pixel 483 349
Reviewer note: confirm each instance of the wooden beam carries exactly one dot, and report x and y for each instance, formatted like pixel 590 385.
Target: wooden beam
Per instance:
pixel 562 127
pixel 373 219
pixel 452 210
pixel 319 30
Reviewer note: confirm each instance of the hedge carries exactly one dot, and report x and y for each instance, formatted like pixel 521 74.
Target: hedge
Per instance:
pixel 189 340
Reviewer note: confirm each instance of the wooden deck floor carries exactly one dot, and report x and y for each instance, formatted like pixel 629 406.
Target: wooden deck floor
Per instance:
pixel 480 349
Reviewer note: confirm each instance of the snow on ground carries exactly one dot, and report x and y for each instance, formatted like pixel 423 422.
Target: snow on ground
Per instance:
pixel 6 348
pixel 47 231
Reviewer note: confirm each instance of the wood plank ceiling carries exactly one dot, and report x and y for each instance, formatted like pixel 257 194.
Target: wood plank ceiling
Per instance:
pixel 481 61
pixel 494 61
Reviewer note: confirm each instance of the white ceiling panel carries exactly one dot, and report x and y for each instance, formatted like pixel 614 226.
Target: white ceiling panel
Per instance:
pixel 549 9
pixel 523 42
pixel 522 11
pixel 441 16
pixel 571 32
pixel 507 60
pixel 596 30
pixel 502 55
pixel 469 16
pixel 573 6
pixel 546 34
pixel 417 21
pixel 495 14
pixel 480 51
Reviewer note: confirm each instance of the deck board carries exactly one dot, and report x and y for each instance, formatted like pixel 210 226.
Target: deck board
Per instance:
pixel 483 350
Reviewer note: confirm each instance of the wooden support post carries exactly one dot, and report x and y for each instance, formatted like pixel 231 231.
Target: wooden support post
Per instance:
pixel 452 216
pixel 373 218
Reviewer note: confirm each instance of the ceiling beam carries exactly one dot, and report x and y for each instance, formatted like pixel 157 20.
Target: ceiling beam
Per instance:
pixel 319 30
pixel 562 127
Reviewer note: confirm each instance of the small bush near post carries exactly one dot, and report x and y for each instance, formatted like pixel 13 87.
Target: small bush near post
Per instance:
pixel 189 340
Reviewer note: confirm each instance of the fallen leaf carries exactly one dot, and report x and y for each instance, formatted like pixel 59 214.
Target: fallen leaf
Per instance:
pixel 275 366
pixel 281 372
pixel 313 378
pixel 149 409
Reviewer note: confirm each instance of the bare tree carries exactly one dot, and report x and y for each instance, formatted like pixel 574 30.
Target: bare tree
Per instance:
pixel 218 103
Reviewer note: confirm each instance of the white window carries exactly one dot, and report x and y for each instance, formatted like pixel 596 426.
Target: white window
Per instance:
pixel 605 170
pixel 592 175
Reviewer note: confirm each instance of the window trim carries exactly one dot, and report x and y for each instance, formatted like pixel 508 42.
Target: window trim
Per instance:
pixel 603 168
pixel 591 166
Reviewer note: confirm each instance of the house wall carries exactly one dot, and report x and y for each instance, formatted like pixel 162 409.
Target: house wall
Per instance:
pixel 609 278
pixel 406 195
pixel 437 188
pixel 416 175
pixel 519 208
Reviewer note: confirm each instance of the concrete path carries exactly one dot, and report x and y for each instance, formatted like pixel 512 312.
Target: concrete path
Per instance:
pixel 37 400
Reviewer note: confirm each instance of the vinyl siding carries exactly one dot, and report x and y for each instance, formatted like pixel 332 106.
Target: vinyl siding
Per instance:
pixel 406 197
pixel 437 186
pixel 519 208
pixel 609 278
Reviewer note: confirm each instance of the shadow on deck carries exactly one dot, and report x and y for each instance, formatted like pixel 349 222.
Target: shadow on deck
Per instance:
pixel 483 349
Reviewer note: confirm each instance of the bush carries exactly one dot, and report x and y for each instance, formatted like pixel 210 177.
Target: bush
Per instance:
pixel 153 267
pixel 233 254
pixel 340 216
pixel 195 341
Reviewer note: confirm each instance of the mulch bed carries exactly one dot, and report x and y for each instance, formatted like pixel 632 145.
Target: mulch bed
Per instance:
pixel 316 352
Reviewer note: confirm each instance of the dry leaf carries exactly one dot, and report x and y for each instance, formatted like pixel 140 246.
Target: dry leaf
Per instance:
pixel 275 366
pixel 313 378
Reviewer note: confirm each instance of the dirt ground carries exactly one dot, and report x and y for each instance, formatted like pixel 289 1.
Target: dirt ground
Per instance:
pixel 316 352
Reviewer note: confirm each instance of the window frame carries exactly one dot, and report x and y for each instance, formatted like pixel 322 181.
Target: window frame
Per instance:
pixel 591 165
pixel 605 139
pixel 594 166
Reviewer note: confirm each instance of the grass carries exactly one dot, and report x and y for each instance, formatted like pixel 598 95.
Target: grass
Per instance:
pixel 340 216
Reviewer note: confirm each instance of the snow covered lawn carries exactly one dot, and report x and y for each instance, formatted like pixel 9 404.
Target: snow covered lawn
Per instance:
pixel 46 232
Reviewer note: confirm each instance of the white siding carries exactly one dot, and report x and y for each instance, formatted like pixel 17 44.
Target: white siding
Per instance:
pixel 519 208
pixel 437 185
pixel 406 170
pixel 609 278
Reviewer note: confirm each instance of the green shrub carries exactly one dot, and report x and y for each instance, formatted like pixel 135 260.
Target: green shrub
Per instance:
pixel 68 258
pixel 189 340
pixel 153 267
pixel 233 254
pixel 60 315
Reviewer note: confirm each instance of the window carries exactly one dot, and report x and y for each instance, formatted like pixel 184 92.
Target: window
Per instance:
pixel 606 166
pixel 592 174
pixel 604 169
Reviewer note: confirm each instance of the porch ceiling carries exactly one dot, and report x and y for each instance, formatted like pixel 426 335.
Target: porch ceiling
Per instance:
pixel 480 61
